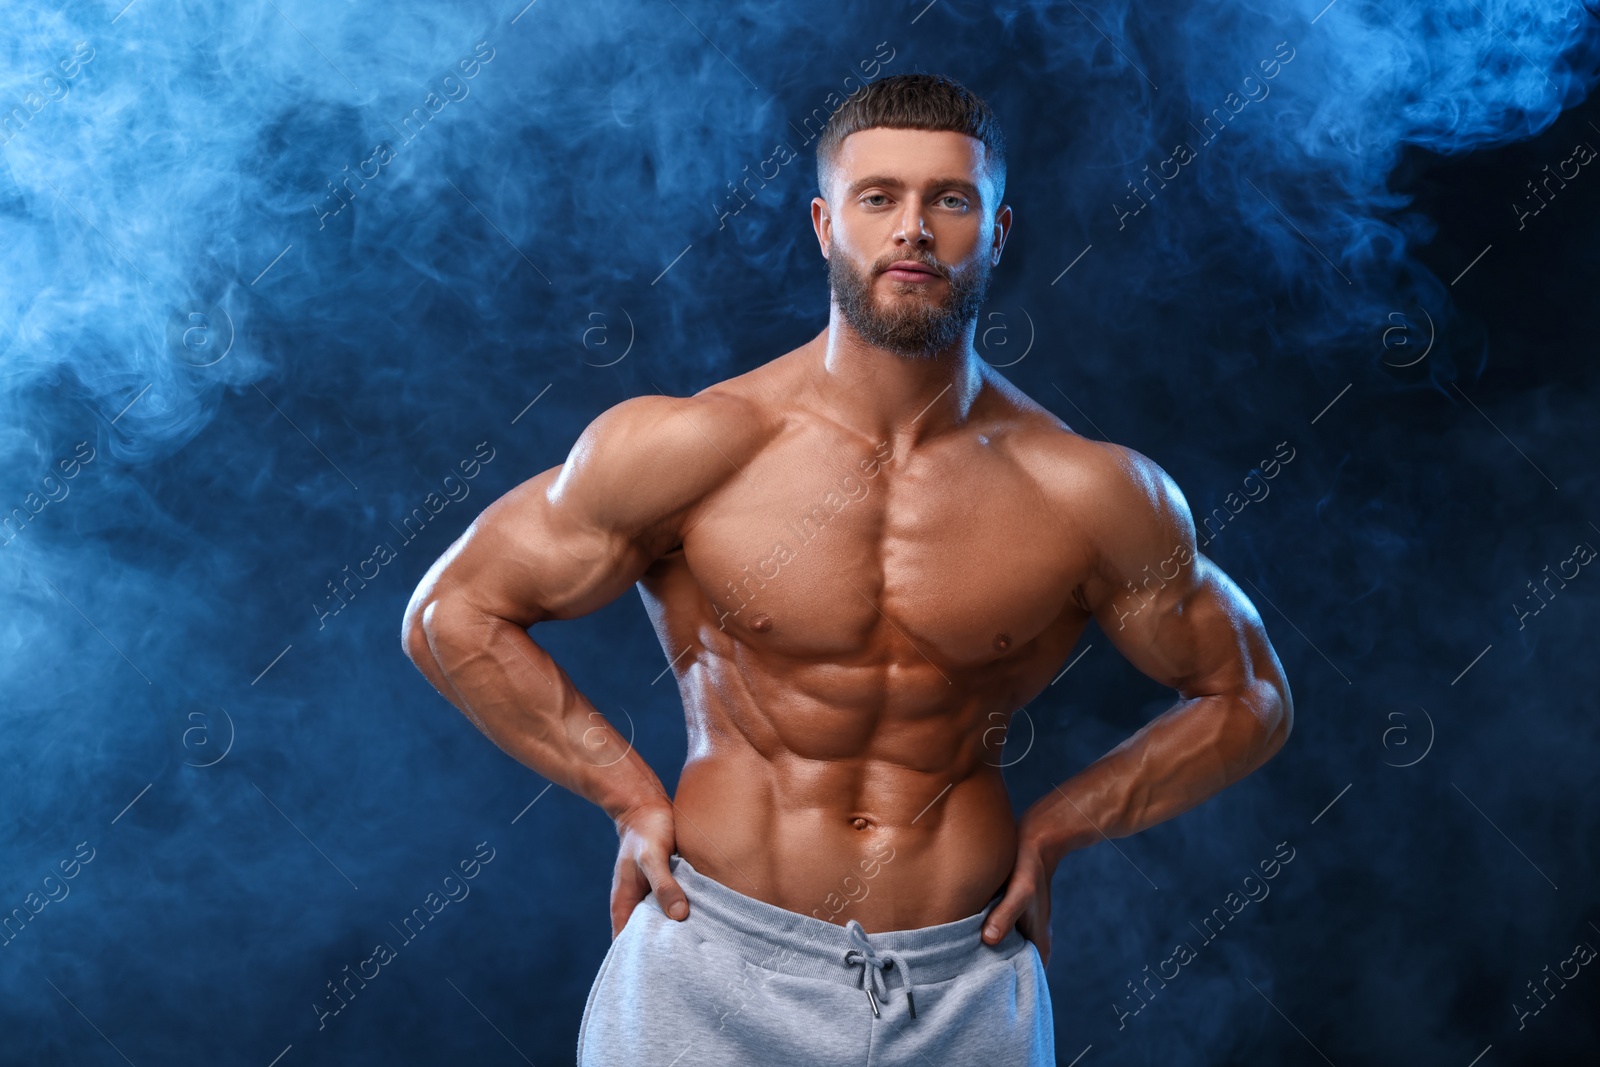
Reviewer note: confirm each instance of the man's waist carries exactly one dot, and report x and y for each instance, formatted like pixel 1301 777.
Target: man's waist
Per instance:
pixel 780 940
pixel 935 864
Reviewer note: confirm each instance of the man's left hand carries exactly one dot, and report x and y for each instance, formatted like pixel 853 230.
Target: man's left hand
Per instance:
pixel 1026 903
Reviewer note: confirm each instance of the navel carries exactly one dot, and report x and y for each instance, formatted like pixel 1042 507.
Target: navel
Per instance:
pixel 859 823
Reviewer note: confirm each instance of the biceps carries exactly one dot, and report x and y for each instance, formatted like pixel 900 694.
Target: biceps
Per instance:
pixel 526 559
pixel 1196 634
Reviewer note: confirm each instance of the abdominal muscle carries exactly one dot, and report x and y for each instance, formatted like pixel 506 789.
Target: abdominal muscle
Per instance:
pixel 860 836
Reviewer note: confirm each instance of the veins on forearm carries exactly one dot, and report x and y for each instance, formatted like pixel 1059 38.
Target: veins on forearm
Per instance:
pixel 557 738
pixel 1188 754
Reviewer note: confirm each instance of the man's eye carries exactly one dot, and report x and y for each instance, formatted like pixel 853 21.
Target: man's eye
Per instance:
pixel 959 202
pixel 874 196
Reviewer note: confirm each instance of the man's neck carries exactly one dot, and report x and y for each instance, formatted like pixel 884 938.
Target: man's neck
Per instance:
pixel 888 396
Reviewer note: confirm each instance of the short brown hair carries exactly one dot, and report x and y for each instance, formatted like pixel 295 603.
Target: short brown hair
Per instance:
pixel 915 102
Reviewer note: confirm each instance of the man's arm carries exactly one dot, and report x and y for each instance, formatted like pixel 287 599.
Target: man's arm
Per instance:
pixel 1174 615
pixel 561 545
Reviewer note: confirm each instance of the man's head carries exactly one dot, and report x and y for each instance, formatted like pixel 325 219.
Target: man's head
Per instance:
pixel 911 170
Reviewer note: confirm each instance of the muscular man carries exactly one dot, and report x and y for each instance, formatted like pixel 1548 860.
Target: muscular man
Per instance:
pixel 861 558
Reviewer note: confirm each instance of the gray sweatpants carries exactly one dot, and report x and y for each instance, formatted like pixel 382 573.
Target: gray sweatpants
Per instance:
pixel 742 982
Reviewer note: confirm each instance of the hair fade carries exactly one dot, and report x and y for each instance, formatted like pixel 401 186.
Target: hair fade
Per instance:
pixel 915 102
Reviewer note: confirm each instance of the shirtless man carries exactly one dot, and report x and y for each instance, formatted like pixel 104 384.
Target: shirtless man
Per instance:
pixel 861 558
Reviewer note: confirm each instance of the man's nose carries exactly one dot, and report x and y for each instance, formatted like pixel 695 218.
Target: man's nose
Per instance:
pixel 912 228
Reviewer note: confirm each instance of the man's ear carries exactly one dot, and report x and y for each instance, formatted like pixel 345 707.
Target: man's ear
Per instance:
pixel 822 223
pixel 1002 228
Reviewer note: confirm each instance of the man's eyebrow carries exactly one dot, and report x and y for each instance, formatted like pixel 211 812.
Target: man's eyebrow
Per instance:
pixel 891 182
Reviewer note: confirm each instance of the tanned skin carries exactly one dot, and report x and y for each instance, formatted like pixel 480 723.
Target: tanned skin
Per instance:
pixel 860 563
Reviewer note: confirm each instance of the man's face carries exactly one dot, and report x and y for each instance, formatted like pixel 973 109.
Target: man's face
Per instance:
pixel 918 197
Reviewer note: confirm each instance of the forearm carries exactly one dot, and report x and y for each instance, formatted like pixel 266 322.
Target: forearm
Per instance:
pixel 1187 754
pixel 513 691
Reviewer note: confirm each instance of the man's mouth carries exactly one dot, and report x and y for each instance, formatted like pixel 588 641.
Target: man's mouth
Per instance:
pixel 906 270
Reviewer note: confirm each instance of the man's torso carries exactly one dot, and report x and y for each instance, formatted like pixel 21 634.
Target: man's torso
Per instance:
pixel 853 624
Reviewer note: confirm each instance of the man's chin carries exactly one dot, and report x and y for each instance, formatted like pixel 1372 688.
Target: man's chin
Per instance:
pixel 913 341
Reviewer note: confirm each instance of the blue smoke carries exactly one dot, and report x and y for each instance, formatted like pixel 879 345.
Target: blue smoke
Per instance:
pixel 293 290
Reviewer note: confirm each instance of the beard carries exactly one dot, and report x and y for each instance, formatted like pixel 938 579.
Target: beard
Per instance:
pixel 908 322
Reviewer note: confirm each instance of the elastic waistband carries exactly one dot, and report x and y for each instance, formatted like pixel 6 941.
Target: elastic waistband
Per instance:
pixel 778 939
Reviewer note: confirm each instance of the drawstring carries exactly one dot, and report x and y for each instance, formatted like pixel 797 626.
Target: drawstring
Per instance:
pixel 873 964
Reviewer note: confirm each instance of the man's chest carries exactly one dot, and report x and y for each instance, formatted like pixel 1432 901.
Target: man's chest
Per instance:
pixel 837 550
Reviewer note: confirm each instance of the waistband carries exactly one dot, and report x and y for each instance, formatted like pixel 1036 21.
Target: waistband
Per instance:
pixel 779 939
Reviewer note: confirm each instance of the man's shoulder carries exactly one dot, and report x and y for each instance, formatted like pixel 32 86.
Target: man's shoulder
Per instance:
pixel 1067 465
pixel 729 419
pixel 1099 486
pixel 651 456
pixel 747 409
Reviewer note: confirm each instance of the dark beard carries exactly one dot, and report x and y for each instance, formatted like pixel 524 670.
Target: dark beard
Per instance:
pixel 914 328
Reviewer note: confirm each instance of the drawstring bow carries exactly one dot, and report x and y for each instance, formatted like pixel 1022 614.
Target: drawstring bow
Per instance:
pixel 874 964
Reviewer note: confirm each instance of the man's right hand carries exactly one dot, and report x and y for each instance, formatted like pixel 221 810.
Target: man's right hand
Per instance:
pixel 648 837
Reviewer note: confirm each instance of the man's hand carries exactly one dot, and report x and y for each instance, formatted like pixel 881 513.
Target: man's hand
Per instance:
pixel 1026 902
pixel 648 837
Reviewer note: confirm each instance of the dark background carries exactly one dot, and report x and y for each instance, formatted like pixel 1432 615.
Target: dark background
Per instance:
pixel 1344 269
